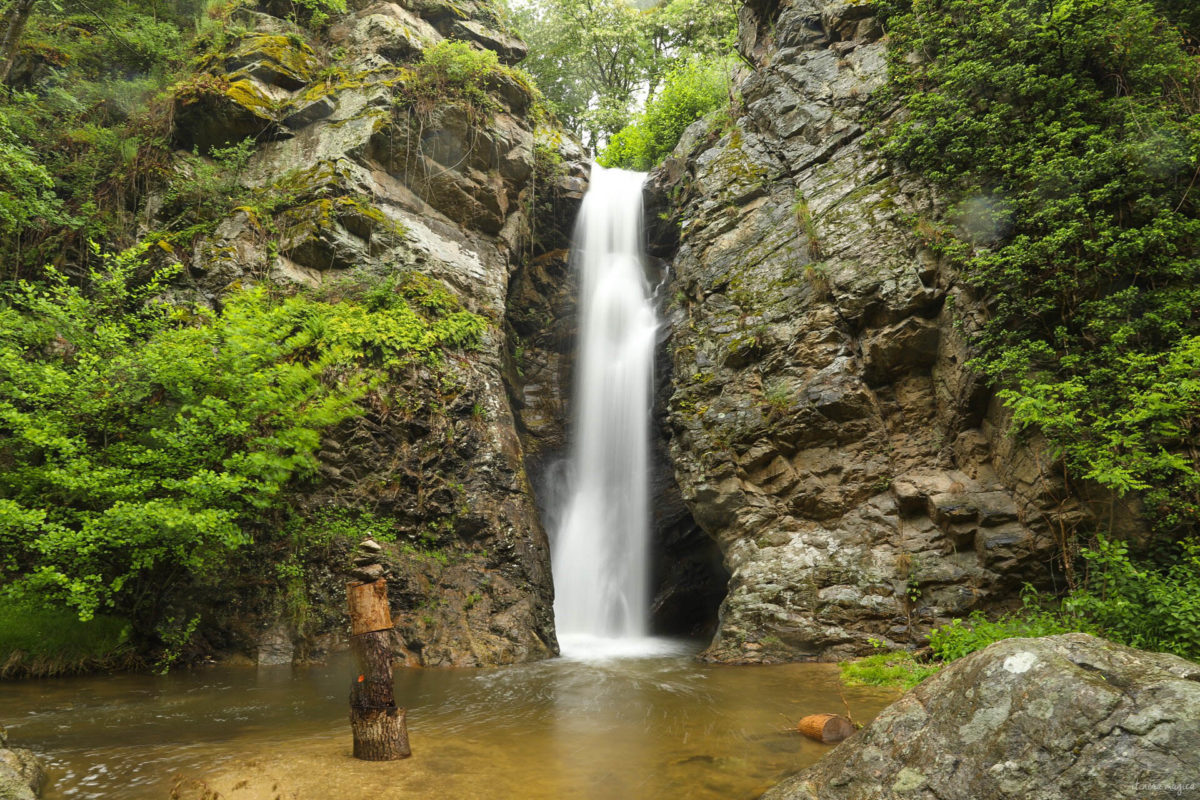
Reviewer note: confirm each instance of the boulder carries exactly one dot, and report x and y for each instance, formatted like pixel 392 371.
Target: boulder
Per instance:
pixel 22 774
pixel 279 60
pixel 1036 719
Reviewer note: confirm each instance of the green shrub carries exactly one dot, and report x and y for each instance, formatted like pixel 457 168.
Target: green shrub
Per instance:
pixel 897 669
pixel 690 91
pixel 26 187
pixel 1142 605
pixel 145 442
pixel 962 637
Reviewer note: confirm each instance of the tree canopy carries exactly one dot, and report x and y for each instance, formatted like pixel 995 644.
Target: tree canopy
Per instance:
pixel 597 61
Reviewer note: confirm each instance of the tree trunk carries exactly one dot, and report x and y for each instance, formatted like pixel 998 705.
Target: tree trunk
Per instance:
pixel 380 728
pixel 14 29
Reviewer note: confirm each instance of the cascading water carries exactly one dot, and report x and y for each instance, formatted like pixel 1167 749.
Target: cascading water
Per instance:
pixel 601 551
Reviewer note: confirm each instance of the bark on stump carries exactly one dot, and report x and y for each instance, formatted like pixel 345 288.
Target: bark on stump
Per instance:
pixel 379 727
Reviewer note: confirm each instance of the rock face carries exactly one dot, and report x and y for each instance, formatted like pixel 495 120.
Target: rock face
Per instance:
pixel 21 772
pixel 357 178
pixel 1034 719
pixel 823 425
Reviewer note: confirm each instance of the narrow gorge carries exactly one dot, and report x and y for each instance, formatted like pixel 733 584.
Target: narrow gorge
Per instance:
pixel 665 369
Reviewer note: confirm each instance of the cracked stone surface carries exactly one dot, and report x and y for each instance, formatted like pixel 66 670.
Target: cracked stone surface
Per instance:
pixel 861 481
pixel 1069 716
pixel 362 184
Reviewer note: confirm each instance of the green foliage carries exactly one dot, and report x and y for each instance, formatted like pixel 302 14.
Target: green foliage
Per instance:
pixel 51 641
pixel 81 141
pixel 691 90
pixel 897 669
pixel 25 187
pixel 145 442
pixel 452 70
pixel 316 13
pixel 961 637
pixel 457 72
pixel 1185 14
pixel 592 58
pixel 1069 136
pixel 205 188
pixel 1143 605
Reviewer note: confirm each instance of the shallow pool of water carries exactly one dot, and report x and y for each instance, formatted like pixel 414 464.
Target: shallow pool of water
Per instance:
pixel 662 726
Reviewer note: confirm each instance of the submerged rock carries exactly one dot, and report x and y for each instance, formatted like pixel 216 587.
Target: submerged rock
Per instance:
pixel 1035 719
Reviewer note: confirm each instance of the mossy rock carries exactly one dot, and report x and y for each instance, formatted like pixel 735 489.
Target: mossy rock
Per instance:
pixel 226 113
pixel 283 60
pixel 336 232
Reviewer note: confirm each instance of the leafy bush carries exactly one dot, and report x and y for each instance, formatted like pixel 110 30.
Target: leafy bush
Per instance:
pixel 1068 134
pixel 962 637
pixel 690 91
pixel 144 441
pixel 25 186
pixel 1154 608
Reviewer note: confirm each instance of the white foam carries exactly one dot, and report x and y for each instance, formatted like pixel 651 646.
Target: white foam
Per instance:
pixel 584 647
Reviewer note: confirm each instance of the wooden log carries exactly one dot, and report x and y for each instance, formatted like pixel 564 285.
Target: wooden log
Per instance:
pixel 379 728
pixel 827 728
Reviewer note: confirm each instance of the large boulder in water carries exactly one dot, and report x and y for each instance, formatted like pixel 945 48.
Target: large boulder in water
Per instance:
pixel 21 772
pixel 1035 719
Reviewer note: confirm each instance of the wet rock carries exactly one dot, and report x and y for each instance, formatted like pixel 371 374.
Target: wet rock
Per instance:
pixel 389 30
pixel 275 646
pixel 1036 719
pixel 220 114
pixel 309 112
pixel 22 774
pixel 283 60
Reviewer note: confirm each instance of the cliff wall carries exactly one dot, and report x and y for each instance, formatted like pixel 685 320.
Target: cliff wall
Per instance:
pixel 823 423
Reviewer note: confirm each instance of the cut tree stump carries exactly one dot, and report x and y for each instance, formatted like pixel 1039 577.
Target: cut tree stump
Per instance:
pixel 827 728
pixel 380 728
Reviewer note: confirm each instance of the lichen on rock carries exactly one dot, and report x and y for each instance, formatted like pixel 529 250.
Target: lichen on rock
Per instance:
pixel 1035 719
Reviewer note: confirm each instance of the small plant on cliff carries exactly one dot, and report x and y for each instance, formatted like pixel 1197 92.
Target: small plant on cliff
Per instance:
pixel 804 220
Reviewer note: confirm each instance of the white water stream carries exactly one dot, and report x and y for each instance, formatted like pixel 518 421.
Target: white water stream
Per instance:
pixel 601 551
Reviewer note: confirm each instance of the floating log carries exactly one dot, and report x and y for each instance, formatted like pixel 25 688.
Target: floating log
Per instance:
pixel 827 728
pixel 380 729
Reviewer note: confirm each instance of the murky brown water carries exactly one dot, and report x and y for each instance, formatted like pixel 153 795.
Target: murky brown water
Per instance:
pixel 631 729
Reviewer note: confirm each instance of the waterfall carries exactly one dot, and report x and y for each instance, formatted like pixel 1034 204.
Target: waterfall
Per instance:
pixel 601 551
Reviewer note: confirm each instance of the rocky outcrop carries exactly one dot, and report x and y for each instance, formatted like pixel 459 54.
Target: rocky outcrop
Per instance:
pixel 21 772
pixel 1035 719
pixel 824 426
pixel 358 178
